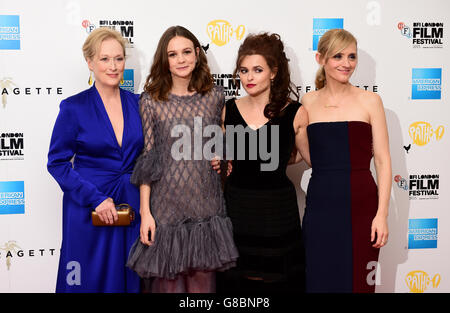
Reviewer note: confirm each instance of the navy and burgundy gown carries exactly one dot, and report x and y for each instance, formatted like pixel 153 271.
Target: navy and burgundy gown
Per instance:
pixel 341 202
pixel 93 258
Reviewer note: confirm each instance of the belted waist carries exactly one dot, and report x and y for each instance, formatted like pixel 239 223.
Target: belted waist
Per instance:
pixel 102 172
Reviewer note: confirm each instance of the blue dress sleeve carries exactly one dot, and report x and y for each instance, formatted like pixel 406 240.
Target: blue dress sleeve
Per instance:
pixel 62 149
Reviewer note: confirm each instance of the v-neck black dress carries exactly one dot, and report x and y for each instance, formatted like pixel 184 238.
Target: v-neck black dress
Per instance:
pixel 262 203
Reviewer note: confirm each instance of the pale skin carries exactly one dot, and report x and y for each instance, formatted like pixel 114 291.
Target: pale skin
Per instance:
pixel 256 75
pixel 108 65
pixel 338 100
pixel 182 61
pixel 182 58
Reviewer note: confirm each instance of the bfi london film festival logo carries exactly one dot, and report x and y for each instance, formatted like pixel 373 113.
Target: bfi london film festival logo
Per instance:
pixel 426 83
pixel 420 186
pixel 420 281
pixel 322 25
pixel 231 87
pixel 128 80
pixel 220 32
pixel 126 28
pixel 11 250
pixel 11 146
pixel 12 197
pixel 423 233
pixel 9 32
pixel 88 26
pixel 424 34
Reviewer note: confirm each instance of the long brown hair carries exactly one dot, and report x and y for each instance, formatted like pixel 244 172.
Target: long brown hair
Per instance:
pixel 331 43
pixel 271 48
pixel 159 81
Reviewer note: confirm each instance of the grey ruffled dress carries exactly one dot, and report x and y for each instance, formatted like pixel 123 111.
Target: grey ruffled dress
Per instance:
pixel 193 232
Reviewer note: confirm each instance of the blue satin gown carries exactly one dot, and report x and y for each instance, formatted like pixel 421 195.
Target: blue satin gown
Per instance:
pixel 93 258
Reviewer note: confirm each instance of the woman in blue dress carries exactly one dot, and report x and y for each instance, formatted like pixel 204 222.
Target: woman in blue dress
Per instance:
pixel 100 129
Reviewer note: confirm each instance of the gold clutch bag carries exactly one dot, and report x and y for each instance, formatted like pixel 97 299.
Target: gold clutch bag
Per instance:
pixel 125 213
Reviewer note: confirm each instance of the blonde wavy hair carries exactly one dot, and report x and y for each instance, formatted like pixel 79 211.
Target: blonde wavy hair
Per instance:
pixel 331 43
pixel 95 39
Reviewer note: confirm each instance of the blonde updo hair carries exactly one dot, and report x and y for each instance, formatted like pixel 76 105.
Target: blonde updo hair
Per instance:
pixel 95 39
pixel 331 43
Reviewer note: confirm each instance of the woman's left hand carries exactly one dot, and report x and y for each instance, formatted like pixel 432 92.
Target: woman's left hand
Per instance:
pixel 379 231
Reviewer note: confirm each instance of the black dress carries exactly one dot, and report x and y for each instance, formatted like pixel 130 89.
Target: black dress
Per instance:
pixel 262 205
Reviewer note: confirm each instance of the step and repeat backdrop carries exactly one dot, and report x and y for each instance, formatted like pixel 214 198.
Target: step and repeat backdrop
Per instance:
pixel 403 51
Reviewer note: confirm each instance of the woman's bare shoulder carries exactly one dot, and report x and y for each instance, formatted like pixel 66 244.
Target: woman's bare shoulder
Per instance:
pixel 309 98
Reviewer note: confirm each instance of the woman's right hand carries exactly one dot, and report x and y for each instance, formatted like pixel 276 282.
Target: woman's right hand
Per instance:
pixel 216 165
pixel 107 211
pixel 148 225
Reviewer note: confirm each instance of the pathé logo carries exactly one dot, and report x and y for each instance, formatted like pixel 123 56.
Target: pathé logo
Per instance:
pixel 419 281
pixel 220 32
pixel 422 132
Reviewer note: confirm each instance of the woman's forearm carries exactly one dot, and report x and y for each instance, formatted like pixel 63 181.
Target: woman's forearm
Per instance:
pixel 384 179
pixel 144 192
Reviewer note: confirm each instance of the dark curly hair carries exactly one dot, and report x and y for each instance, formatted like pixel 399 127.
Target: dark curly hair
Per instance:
pixel 271 48
pixel 159 81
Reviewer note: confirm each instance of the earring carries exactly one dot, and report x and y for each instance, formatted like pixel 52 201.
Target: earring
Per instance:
pixel 90 79
pixel 122 81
